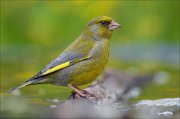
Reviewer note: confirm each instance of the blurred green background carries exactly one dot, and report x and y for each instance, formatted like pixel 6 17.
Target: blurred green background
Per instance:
pixel 35 32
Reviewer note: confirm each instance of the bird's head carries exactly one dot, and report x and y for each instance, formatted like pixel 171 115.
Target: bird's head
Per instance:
pixel 101 27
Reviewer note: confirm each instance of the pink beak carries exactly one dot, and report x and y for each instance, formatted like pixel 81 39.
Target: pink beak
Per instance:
pixel 114 25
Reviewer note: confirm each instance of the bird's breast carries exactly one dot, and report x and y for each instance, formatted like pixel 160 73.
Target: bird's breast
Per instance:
pixel 101 52
pixel 92 68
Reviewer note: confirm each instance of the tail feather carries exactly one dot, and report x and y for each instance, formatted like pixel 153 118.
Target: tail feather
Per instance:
pixel 21 85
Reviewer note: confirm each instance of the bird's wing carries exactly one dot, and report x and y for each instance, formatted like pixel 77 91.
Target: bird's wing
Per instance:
pixel 75 53
pixel 63 61
pixel 65 64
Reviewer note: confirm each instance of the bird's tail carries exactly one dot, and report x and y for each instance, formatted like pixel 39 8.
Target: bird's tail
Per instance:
pixel 21 85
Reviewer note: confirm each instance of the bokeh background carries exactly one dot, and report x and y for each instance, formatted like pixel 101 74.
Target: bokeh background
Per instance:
pixel 35 32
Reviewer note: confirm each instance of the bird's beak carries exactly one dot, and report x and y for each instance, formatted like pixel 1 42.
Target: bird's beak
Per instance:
pixel 114 25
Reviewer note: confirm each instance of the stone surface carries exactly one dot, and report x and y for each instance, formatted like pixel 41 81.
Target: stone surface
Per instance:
pixel 113 93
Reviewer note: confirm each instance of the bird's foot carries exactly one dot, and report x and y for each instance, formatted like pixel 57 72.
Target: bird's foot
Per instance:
pixel 84 94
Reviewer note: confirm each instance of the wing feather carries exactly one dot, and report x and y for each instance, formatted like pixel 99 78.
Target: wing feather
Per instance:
pixel 58 67
pixel 64 65
pixel 75 53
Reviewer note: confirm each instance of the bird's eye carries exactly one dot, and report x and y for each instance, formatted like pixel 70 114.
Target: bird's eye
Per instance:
pixel 103 22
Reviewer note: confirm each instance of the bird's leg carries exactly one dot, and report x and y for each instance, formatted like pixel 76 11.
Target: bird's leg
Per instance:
pixel 83 91
pixel 77 90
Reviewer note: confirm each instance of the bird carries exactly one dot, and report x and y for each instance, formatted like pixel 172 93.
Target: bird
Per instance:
pixel 82 61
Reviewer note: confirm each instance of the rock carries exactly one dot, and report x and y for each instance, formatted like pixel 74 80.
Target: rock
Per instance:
pixel 113 93
pixel 162 108
pixel 111 98
pixel 160 102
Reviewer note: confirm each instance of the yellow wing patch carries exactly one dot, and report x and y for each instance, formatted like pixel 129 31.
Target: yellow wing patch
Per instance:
pixel 66 64
pixel 58 67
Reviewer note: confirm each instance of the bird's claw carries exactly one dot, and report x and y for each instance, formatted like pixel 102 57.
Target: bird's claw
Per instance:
pixel 84 94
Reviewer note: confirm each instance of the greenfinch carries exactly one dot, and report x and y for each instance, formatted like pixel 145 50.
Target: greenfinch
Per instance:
pixel 81 62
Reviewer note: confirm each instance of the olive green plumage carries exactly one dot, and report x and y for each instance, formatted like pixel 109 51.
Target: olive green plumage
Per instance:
pixel 83 60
